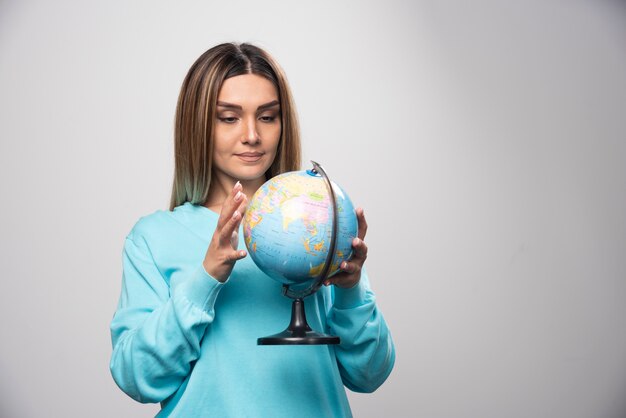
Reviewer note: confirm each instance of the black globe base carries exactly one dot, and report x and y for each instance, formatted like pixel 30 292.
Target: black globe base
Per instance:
pixel 292 338
pixel 298 331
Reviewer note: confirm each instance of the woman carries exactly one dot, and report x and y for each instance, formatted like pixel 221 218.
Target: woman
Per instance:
pixel 192 304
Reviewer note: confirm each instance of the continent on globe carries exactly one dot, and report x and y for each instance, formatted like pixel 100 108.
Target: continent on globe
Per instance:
pixel 288 227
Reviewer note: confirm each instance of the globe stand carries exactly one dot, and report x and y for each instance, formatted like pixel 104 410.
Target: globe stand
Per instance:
pixel 298 332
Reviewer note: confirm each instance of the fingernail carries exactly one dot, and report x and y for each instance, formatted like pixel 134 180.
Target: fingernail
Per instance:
pixel 237 184
pixel 236 215
pixel 242 253
pixel 238 196
pixel 344 265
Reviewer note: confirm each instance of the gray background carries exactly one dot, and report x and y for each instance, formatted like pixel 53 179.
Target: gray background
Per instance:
pixel 486 141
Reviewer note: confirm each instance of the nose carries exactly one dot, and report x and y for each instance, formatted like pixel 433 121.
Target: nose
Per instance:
pixel 250 134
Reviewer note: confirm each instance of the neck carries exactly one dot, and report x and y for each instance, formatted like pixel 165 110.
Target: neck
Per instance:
pixel 222 186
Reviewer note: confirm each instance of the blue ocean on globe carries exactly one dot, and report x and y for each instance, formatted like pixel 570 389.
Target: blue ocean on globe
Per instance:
pixel 288 227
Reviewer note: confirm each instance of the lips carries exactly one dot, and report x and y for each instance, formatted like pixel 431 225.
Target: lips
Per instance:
pixel 250 156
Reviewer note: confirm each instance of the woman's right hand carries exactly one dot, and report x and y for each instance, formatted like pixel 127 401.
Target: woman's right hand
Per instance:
pixel 222 253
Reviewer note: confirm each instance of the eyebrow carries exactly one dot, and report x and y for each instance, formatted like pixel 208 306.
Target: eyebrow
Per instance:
pixel 262 107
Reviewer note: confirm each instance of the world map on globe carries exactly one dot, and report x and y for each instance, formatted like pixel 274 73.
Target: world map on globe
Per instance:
pixel 288 227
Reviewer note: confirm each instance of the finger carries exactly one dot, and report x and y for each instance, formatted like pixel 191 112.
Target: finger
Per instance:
pixel 359 250
pixel 234 240
pixel 230 204
pixel 233 223
pixel 243 204
pixel 350 267
pixel 232 226
pixel 360 217
pixel 235 256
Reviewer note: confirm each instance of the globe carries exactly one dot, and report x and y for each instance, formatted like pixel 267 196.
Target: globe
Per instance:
pixel 288 227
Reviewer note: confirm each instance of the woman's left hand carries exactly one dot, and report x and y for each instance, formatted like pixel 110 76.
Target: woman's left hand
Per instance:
pixel 350 273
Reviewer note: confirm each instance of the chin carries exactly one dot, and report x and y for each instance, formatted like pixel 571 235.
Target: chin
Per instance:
pixel 251 173
pixel 247 171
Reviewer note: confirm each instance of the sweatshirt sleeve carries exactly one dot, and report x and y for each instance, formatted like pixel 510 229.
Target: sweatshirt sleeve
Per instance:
pixel 366 354
pixel 156 336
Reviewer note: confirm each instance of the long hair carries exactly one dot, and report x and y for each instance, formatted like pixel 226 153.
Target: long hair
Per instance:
pixel 196 113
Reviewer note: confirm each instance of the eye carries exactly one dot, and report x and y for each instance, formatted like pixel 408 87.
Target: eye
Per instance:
pixel 230 119
pixel 268 118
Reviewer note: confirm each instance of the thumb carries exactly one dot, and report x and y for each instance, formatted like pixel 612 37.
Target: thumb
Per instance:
pixel 237 255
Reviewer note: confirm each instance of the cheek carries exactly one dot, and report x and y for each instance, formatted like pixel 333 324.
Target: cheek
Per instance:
pixel 222 139
pixel 271 134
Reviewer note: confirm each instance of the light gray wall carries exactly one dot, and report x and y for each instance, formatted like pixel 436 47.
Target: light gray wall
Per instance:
pixel 486 141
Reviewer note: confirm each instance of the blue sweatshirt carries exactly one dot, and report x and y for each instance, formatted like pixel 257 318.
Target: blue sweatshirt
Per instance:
pixel 185 340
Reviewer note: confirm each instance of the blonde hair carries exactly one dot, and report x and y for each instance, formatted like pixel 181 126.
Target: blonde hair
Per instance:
pixel 196 112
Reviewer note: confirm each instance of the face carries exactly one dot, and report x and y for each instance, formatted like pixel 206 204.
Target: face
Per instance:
pixel 247 128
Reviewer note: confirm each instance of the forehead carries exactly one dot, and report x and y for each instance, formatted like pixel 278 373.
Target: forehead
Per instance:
pixel 247 89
